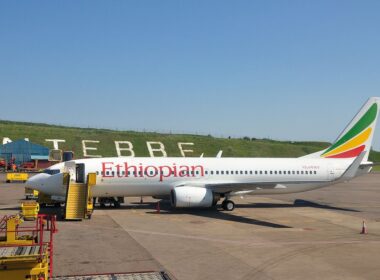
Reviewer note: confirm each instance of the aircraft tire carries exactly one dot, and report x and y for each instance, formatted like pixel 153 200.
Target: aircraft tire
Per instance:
pixel 228 205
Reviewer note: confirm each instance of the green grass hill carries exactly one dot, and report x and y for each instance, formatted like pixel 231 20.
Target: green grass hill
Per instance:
pixel 208 145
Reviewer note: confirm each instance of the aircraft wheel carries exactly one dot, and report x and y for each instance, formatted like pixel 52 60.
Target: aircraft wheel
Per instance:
pixel 228 205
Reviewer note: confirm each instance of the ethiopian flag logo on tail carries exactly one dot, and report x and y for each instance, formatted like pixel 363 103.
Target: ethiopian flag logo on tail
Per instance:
pixel 353 142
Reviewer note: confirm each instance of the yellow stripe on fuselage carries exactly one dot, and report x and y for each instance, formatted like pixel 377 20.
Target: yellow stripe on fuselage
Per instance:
pixel 354 142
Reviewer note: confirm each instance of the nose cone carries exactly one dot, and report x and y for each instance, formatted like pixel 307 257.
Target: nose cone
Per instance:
pixel 48 184
pixel 37 181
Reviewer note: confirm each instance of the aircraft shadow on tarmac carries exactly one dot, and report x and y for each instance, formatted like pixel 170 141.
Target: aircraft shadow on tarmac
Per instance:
pixel 222 215
pixel 296 203
pixel 208 213
pixel 229 216
pixel 211 212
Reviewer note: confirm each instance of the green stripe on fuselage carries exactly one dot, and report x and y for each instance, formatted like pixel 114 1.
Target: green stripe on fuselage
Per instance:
pixel 362 124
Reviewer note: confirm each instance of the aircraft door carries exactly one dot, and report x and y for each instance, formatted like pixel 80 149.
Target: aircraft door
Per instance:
pixel 70 167
pixel 80 173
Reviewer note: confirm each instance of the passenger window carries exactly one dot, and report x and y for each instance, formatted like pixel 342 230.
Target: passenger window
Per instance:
pixel 227 172
pixel 217 172
pixel 250 172
pixel 298 172
pixel 293 172
pixel 302 172
pixel 255 172
pixel 279 172
pixel 261 172
pixel 315 172
pixel 212 172
pixel 97 172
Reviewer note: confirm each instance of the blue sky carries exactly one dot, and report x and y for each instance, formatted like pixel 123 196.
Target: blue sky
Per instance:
pixel 289 70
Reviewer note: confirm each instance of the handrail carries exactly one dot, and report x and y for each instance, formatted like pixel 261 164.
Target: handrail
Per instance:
pixel 44 223
pixel 3 223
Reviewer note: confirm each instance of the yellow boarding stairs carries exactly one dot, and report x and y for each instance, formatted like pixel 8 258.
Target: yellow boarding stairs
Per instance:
pixel 79 203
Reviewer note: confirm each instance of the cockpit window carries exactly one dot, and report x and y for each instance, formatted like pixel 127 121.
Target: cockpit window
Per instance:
pixel 51 171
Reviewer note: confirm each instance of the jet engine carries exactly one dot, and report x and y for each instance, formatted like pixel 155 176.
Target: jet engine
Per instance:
pixel 186 196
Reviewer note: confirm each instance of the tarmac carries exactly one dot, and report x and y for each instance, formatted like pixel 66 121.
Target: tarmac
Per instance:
pixel 312 235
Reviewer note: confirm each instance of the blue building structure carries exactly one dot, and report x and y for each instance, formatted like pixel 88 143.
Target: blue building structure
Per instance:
pixel 23 151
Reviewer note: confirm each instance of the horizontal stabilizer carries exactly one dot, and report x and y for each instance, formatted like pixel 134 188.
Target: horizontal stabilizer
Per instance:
pixel 353 168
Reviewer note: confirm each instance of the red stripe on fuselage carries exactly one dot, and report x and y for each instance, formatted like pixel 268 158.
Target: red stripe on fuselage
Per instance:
pixel 349 154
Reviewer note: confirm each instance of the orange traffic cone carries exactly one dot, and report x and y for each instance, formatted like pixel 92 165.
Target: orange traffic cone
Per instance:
pixel 364 228
pixel 158 207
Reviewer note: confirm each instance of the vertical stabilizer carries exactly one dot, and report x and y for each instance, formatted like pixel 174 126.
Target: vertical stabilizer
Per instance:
pixel 357 136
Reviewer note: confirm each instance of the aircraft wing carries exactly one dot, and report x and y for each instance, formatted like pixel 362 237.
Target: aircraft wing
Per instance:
pixel 234 187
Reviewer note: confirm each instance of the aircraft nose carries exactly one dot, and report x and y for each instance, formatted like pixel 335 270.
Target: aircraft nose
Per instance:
pixel 37 182
pixel 48 184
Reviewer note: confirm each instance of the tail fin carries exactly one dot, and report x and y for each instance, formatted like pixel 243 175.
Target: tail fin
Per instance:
pixel 357 136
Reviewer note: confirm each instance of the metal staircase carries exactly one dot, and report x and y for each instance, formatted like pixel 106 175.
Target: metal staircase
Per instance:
pixel 78 198
pixel 76 201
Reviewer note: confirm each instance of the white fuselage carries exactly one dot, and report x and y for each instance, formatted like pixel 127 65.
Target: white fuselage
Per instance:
pixel 158 176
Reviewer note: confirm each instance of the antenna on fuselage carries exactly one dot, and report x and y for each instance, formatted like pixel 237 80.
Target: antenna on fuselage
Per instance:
pixel 219 155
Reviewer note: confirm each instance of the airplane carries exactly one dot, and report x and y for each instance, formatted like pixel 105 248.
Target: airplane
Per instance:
pixel 202 182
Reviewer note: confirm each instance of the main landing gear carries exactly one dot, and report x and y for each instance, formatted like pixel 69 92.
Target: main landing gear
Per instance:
pixel 110 201
pixel 228 205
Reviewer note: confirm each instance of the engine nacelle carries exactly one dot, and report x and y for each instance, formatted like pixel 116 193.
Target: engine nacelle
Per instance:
pixel 186 196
